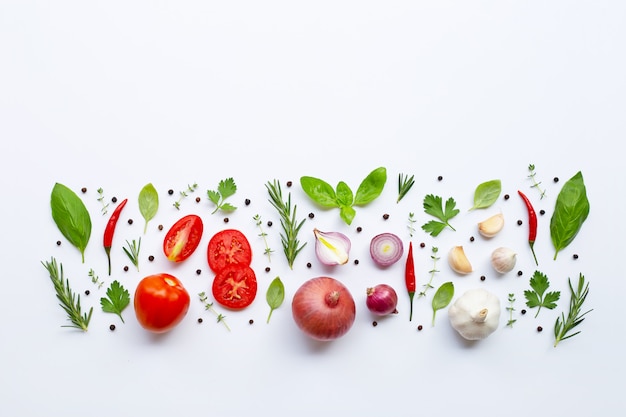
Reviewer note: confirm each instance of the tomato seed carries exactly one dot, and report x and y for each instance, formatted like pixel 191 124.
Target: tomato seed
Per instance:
pixel 84 190
pixel 385 216
pixel 130 221
pixel 247 202
pixel 87 292
pixel 420 327
pixel 170 191
pixel 539 328
pixel 58 243
pixel 519 222
pixel 506 196
pixel 311 215
pixel 198 271
pixel 112 327
pixel 151 258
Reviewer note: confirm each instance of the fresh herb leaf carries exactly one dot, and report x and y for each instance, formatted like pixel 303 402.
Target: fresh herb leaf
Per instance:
pixel 486 194
pixel 564 325
pixel 71 217
pixel 536 184
pixel 94 278
pixel 118 298
pixel 538 296
pixel 275 295
pixel 432 272
pixel 183 194
pixel 268 251
pixel 511 309
pixel 105 206
pixel 133 252
pixel 226 188
pixel 433 205
pixel 209 306
pixel 570 212
pixel 404 185
pixel 342 197
pixel 291 227
pixel 442 298
pixel 411 225
pixel 69 301
pixel 148 203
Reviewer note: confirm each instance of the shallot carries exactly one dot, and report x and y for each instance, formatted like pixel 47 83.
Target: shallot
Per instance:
pixel 331 248
pixel 382 300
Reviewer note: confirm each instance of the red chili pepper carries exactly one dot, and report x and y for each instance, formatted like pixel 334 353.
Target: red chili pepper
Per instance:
pixel 409 277
pixel 110 229
pixel 532 224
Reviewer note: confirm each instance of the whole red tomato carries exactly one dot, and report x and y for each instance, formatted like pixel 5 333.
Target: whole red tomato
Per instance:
pixel 161 302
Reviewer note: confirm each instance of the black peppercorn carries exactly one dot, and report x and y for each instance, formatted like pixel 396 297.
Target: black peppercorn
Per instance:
pixel 289 183
pixel 200 320
pixel 539 328
pixel 269 224
pixel 519 273
pixel 385 216
pixel 126 269
pixel 198 199
pixel 482 278
pixel 130 221
pixel 251 321
pixel 439 178
pixel 84 190
pixel 542 212
pixel 198 271
pixel 247 202
pixel 114 199
pixel 87 292
pixel 374 323
pixel 267 269
pixel 575 256
pixel 308 264
pixel 471 238
pixel 170 191
pixel 160 227
pixel 356 261
pixel 112 327
pixel 311 215
pixel 422 245
pixel 58 243
pixel 506 196
pixel 519 222
pixel 524 311
pixel 359 229
pixel 151 258
pixel 226 220
pixel 556 179
pixel 420 327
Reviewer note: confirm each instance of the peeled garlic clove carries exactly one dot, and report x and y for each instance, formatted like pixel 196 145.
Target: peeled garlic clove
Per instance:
pixel 491 226
pixel 458 260
pixel 503 260
pixel 331 248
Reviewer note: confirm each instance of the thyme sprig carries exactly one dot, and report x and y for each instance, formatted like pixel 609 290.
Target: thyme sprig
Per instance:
pixel 209 306
pixel 133 251
pixel 411 225
pixel 291 227
pixel 268 251
pixel 94 278
pixel 183 194
pixel 536 184
pixel 404 185
pixel 105 206
pixel 564 325
pixel 69 301
pixel 511 309
pixel 432 273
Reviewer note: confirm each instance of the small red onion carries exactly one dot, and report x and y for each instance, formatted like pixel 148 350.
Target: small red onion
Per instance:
pixel 331 248
pixel 382 300
pixel 386 249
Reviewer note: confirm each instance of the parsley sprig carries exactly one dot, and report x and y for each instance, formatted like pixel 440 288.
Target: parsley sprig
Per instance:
pixel 69 301
pixel 538 296
pixel 117 299
pixel 433 205
pixel 225 189
pixel 564 325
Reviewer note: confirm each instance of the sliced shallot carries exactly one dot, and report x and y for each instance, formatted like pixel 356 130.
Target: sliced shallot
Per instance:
pixel 386 249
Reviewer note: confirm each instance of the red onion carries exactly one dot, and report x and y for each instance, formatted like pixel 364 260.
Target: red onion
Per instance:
pixel 323 308
pixel 386 249
pixel 382 300
pixel 331 248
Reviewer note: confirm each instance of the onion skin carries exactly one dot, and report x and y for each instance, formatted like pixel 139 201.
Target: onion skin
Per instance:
pixel 382 300
pixel 386 249
pixel 323 308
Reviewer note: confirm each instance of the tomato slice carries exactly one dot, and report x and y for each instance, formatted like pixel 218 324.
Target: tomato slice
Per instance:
pixel 183 238
pixel 235 287
pixel 228 247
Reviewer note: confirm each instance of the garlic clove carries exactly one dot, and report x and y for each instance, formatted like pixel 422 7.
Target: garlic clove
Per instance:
pixel 331 248
pixel 503 260
pixel 491 226
pixel 458 260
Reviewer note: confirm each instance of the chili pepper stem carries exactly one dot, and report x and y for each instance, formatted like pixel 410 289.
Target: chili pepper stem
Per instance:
pixel 532 249
pixel 107 249
pixel 411 295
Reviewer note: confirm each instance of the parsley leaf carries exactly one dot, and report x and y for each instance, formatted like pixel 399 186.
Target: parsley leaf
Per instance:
pixel 118 299
pixel 434 206
pixel 538 296
pixel 225 189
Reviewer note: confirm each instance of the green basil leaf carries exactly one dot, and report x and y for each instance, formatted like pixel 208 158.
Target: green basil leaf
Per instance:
pixel 71 217
pixel 344 194
pixel 486 194
pixel 347 214
pixel 570 211
pixel 442 298
pixel 371 186
pixel 148 203
pixel 319 191
pixel 275 295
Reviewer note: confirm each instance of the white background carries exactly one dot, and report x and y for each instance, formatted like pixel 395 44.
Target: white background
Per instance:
pixel 119 94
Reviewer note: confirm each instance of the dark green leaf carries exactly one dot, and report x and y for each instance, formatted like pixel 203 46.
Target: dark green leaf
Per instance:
pixel 227 188
pixel 71 217
pixel 371 187
pixel 275 295
pixel 570 212
pixel 433 205
pixel 486 194
pixel 344 194
pixel 536 298
pixel 442 297
pixel 213 196
pixel 319 191
pixel 433 227
pixel 118 299
pixel 148 203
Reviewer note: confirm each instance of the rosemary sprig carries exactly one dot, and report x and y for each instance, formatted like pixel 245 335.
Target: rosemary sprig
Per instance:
pixel 291 227
pixel 94 278
pixel 209 306
pixel 184 193
pixel 69 301
pixel 411 225
pixel 536 184
pixel 511 309
pixel 404 185
pixel 565 325
pixel 268 251
pixel 133 251
pixel 432 273
pixel 105 206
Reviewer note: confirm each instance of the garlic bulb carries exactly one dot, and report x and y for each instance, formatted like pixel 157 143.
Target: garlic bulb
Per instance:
pixel 475 314
pixel 503 260
pixel 458 260
pixel 491 226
